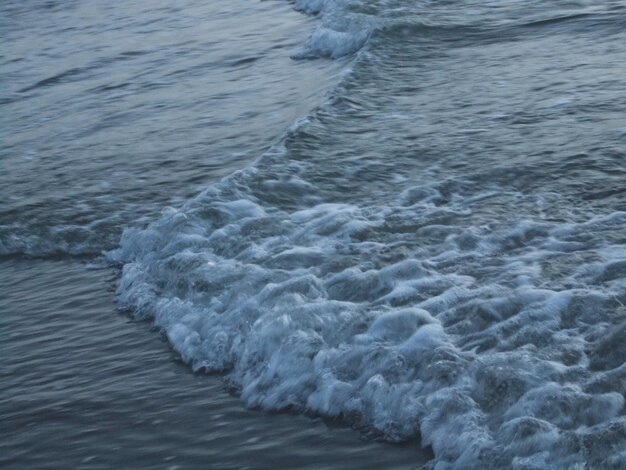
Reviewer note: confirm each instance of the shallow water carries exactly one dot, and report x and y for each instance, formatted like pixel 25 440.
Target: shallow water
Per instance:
pixel 85 387
pixel 435 248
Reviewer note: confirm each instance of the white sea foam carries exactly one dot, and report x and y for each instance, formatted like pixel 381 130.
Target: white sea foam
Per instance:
pixel 467 341
pixel 326 42
pixel 340 33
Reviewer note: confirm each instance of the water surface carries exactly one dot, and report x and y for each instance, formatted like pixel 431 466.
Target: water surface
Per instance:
pixel 407 217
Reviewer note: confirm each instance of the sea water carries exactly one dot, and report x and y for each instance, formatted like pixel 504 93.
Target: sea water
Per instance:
pixel 433 250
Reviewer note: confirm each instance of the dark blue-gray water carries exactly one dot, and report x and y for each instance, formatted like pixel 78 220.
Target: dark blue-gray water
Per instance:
pixel 406 218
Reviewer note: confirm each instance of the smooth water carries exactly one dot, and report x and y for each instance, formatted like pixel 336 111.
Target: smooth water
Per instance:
pixel 434 251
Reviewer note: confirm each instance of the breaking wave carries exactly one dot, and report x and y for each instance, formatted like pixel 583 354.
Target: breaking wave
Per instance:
pixel 352 274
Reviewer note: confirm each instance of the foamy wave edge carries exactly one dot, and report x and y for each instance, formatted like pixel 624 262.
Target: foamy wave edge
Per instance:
pixel 302 309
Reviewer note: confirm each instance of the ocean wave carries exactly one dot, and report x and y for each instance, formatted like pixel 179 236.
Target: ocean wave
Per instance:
pixel 478 308
pixel 495 336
